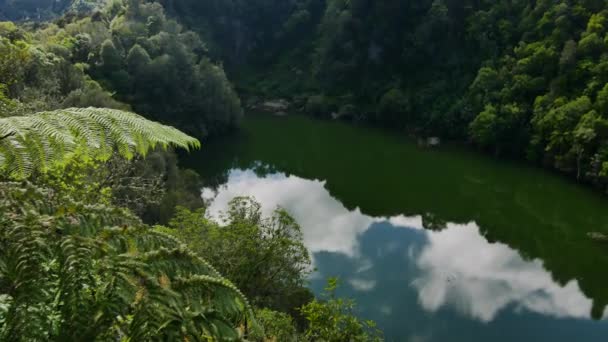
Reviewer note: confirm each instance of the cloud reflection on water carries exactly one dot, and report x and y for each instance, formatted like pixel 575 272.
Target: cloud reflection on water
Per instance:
pixel 457 267
pixel 462 269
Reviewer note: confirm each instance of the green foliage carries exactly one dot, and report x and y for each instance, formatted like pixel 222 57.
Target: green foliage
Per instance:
pixel 129 49
pixel 501 129
pixel 134 184
pixel 29 143
pixel 266 27
pixel 484 126
pixel 40 77
pixel 263 256
pixel 159 68
pixel 217 99
pixel 445 65
pixel 554 128
pixel 91 94
pixel 76 263
pixel 71 270
pixel 333 320
pixel 602 100
pixel 137 59
pixel 6 104
pixel 433 67
pixel 152 187
pixel 277 326
pixel 14 55
pixel 74 267
pixel 110 57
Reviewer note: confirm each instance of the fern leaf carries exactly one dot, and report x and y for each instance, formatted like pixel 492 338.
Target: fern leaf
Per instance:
pixel 34 142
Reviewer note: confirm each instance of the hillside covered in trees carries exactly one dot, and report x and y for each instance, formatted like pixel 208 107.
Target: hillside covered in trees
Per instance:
pixel 515 78
pixel 131 51
pixel 105 237
pixel 102 235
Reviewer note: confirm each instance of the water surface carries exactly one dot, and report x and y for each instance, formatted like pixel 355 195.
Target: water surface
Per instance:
pixel 434 245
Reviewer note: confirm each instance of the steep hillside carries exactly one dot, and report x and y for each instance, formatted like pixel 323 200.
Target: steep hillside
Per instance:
pixel 518 78
pixel 129 49
pixel 524 79
pixel 40 10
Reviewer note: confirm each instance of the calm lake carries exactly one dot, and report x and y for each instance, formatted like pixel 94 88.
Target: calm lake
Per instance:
pixel 434 245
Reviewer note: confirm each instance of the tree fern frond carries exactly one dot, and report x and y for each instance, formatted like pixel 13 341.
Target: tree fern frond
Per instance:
pixel 95 272
pixel 29 143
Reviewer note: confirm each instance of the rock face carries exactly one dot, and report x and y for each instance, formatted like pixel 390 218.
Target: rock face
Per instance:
pixel 429 142
pixel 598 236
pixel 275 106
pixel 433 142
pixel 346 112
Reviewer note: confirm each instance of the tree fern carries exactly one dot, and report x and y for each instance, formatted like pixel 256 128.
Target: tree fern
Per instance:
pixel 29 143
pixel 73 271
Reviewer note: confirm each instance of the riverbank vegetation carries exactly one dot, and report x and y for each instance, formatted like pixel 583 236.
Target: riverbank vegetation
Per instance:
pixel 514 78
pixel 105 237
pixel 77 264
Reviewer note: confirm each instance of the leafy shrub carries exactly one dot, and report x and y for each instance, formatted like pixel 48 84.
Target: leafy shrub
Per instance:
pixel 277 326
pixel 333 320
pixel 267 259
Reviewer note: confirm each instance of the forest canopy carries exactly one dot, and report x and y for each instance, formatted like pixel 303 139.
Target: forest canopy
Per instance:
pixel 515 78
pixel 123 55
pixel 99 222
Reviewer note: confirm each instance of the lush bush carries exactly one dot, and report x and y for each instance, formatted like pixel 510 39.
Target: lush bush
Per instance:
pixel 133 54
pixel 263 256
pixel 162 71
pixel 73 265
pixel 491 72
pixel 277 326
pixel 333 320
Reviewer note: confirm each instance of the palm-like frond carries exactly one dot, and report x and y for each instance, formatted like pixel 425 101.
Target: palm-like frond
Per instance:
pixel 33 142
pixel 97 273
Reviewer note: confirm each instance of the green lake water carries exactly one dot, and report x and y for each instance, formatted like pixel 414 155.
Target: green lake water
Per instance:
pixel 434 245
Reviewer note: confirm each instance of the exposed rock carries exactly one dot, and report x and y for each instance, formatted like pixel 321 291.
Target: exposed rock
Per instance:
pixel 598 236
pixel 346 112
pixel 275 106
pixel 429 142
pixel 433 142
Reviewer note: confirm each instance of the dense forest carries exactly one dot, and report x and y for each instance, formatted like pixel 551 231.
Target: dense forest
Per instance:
pixel 522 79
pixel 105 237
pixel 515 78
pixel 102 235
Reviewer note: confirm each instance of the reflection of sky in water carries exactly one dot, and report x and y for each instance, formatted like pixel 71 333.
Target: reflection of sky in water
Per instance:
pixel 406 277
